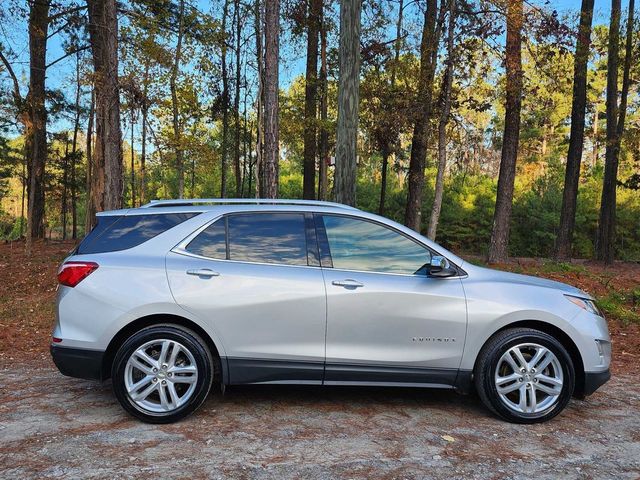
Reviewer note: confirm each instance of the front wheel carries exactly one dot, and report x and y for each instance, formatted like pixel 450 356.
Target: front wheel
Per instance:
pixel 162 373
pixel 524 375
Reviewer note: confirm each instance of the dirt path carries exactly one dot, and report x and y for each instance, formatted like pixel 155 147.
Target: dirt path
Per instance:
pixel 53 426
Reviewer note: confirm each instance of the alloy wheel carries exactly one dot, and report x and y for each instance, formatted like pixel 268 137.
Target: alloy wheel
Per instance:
pixel 160 376
pixel 529 378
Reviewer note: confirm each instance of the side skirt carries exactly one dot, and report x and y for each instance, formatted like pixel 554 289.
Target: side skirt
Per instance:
pixel 260 371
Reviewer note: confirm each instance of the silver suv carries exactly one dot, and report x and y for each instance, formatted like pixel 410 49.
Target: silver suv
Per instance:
pixel 173 297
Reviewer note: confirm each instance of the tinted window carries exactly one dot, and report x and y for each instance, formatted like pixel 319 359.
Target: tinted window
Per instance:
pixel 268 238
pixel 129 231
pixel 210 242
pixel 361 245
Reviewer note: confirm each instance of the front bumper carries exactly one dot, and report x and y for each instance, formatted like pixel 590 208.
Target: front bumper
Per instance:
pixel 78 362
pixel 594 380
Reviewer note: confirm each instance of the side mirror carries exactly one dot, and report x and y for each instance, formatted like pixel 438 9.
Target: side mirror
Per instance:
pixel 440 267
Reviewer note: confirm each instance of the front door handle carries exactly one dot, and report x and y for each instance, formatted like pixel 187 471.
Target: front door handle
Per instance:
pixel 203 272
pixel 348 283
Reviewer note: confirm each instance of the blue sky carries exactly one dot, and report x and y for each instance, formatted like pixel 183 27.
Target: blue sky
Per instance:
pixel 60 76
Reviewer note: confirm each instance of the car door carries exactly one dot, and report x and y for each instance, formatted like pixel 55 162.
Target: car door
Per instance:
pixel 254 278
pixel 388 321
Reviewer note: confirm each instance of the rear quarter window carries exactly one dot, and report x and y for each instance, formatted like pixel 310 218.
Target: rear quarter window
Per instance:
pixel 114 233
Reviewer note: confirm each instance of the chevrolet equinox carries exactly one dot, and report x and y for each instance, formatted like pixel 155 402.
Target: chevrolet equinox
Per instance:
pixel 173 297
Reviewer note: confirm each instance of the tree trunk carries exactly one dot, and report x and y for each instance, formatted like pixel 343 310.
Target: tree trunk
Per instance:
pixel 499 246
pixel 310 100
pixel 391 141
pixel 605 244
pixel 596 145
pixel 144 112
pixel 90 209
pixel 74 154
pixel 271 124
pixel 133 162
pixel 348 101
pixel 177 134
pixel 36 127
pixel 323 141
pixel 576 138
pixel 107 177
pixel 236 106
pixel 65 186
pixel 259 193
pixel 225 103
pixel 383 186
pixel 421 129
pixel 445 111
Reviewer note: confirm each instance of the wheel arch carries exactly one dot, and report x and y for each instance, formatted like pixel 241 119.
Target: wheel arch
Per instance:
pixel 562 337
pixel 220 369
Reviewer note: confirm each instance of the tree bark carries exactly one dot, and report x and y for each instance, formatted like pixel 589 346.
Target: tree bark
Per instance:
pixel 259 102
pixel 177 134
pixel 225 104
pixel 391 141
pixel 144 112
pixel 133 161
pixel 74 154
pixel 271 83
pixel 499 246
pixel 310 100
pixel 576 138
pixel 36 119
pixel 323 140
pixel 445 110
pixel 90 209
pixel 383 180
pixel 107 177
pixel 422 126
pixel 605 243
pixel 596 144
pixel 65 186
pixel 348 102
pixel 236 106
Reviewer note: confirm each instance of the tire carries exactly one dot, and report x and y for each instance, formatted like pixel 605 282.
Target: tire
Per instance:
pixel 547 389
pixel 177 386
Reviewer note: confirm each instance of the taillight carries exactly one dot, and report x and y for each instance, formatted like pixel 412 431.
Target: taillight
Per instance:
pixel 72 273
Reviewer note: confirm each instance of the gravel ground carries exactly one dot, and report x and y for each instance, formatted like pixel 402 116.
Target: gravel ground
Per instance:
pixel 53 426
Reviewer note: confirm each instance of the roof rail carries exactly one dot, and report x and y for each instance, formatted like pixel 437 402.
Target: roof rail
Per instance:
pixel 242 201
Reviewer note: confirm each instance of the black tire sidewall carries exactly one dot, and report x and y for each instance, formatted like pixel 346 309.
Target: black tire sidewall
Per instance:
pixel 189 340
pixel 491 364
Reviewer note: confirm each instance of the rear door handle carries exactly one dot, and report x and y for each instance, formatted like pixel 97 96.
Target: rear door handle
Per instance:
pixel 203 272
pixel 348 283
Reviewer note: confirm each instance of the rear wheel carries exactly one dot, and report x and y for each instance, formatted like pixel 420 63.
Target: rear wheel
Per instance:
pixel 524 375
pixel 162 373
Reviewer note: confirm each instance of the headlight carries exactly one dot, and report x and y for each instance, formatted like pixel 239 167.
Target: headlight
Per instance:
pixel 585 304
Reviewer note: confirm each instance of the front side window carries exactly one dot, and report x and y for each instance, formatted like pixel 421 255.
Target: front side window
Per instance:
pixel 277 238
pixel 366 246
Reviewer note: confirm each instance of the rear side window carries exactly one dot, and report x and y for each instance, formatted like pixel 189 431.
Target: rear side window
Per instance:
pixel 211 242
pixel 268 238
pixel 278 238
pixel 114 233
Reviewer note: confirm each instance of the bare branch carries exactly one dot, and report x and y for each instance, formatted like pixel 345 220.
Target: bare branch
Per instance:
pixel 56 16
pixel 16 85
pixel 68 54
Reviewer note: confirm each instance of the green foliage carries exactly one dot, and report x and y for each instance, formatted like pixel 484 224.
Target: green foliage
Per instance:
pixel 616 305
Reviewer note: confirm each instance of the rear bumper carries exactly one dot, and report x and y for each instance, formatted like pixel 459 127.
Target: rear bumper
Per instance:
pixel 594 380
pixel 78 362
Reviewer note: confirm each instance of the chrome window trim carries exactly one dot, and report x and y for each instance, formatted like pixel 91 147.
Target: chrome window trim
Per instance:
pixel 180 248
pixel 399 232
